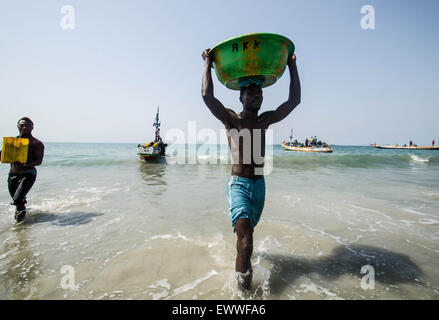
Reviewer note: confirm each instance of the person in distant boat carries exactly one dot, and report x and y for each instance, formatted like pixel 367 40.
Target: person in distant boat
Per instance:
pixel 162 146
pixel 432 143
pixel 22 176
pixel 306 142
pixel 246 186
pixel 411 143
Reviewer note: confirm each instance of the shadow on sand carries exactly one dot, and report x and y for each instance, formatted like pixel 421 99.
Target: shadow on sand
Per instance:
pixel 390 267
pixel 60 219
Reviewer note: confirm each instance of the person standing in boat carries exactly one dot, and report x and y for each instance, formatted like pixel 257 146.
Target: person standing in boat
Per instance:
pixel 162 146
pixel 22 176
pixel 432 143
pixel 246 186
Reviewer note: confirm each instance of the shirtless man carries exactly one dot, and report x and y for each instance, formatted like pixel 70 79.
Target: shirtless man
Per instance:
pixel 246 186
pixel 23 175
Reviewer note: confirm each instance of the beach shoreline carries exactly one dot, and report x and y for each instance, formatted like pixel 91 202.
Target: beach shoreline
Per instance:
pixel 132 230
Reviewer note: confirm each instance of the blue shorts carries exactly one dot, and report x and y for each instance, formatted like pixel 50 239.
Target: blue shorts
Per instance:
pixel 245 199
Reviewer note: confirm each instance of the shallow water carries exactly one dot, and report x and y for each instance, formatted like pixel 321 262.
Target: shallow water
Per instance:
pixel 134 230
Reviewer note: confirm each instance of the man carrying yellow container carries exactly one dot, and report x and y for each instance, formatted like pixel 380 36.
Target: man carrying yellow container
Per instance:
pixel 23 173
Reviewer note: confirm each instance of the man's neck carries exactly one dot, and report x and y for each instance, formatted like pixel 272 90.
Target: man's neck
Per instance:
pixel 28 135
pixel 245 114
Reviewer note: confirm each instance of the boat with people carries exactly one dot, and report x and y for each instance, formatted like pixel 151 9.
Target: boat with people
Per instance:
pixel 289 147
pixel 154 149
pixel 310 145
pixel 413 147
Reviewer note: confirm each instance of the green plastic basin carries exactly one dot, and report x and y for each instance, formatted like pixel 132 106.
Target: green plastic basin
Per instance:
pixel 258 58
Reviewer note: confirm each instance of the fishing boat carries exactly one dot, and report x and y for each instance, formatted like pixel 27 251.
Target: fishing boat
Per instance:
pixel 290 146
pixel 154 149
pixel 287 146
pixel 405 147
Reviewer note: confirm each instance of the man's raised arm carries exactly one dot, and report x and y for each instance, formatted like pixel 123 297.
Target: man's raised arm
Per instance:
pixel 293 99
pixel 214 105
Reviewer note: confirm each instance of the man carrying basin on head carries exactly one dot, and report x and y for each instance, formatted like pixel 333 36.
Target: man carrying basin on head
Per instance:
pixel 23 175
pixel 246 186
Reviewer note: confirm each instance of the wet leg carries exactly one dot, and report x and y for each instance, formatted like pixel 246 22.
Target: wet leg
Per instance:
pixel 244 246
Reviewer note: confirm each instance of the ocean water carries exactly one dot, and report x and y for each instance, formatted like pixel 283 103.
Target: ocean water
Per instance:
pixel 360 223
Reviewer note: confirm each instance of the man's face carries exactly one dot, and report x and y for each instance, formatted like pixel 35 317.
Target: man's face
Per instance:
pixel 252 98
pixel 25 127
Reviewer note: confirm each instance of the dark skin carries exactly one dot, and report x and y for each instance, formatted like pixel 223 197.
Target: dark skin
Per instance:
pixel 35 154
pixel 36 149
pixel 249 118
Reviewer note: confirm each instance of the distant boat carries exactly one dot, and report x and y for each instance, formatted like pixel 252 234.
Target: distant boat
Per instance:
pixel 405 147
pixel 149 152
pixel 289 147
pixel 154 149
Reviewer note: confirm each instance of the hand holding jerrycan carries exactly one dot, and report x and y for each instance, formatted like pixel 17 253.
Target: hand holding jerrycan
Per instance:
pixel 14 150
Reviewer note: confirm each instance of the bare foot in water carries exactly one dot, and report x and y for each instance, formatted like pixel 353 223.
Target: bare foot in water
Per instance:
pixel 20 213
pixel 245 280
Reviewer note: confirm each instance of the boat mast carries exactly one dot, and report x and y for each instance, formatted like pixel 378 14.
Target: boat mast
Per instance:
pixel 156 124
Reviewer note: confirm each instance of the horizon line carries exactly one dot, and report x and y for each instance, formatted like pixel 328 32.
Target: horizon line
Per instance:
pixel 98 142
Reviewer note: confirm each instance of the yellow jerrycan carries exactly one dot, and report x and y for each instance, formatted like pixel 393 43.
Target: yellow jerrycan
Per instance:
pixel 14 149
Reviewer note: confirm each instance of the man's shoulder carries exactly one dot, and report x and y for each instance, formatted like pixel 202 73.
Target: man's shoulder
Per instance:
pixel 265 118
pixel 232 120
pixel 36 142
pixel 266 115
pixel 231 112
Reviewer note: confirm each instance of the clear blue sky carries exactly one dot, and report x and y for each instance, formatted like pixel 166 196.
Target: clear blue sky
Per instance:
pixel 102 81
